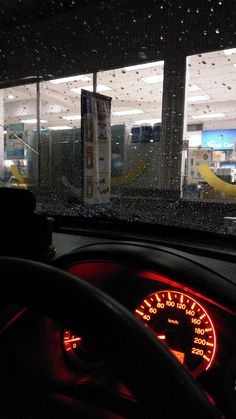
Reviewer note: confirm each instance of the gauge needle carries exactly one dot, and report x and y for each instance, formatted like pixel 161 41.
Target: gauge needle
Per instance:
pixel 72 340
pixel 162 337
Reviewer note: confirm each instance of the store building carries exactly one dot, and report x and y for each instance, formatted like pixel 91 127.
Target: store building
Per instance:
pixel 170 93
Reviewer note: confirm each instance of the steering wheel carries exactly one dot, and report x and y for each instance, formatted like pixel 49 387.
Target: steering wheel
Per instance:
pixel 160 384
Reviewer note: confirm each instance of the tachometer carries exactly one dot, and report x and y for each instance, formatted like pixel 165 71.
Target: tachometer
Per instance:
pixel 183 325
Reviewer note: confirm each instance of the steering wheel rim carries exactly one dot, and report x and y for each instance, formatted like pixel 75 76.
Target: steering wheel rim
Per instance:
pixel 122 340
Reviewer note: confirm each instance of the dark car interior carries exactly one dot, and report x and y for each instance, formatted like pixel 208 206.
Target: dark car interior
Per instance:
pixel 77 349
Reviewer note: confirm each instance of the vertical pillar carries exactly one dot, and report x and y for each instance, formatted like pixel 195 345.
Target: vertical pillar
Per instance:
pixel 95 82
pixel 38 116
pixel 172 127
pixel 1 135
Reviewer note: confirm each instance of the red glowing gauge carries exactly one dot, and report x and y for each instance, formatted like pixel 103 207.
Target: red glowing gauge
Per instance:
pixel 183 325
pixel 71 341
pixel 78 351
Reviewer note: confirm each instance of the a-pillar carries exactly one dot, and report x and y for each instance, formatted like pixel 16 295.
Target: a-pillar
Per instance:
pixel 172 127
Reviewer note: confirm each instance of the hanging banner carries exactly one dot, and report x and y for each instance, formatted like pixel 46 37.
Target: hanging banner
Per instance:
pixel 95 147
pixel 14 145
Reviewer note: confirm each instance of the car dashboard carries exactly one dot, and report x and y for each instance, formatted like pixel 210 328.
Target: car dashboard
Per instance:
pixel 186 300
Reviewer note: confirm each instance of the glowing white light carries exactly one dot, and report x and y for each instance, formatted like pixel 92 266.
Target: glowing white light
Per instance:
pixel 147 65
pixel 59 128
pixel 128 112
pixel 72 117
pixel 100 88
pixel 69 79
pixel 153 79
pixel 209 116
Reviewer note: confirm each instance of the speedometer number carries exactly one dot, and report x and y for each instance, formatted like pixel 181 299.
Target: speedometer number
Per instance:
pixel 183 324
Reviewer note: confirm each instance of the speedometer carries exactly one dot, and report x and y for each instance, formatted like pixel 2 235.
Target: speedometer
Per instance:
pixel 183 325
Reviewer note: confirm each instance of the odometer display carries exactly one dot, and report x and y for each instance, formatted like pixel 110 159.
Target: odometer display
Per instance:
pixel 183 325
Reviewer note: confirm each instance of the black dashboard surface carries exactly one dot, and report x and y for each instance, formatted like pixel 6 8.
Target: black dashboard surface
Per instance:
pixel 66 243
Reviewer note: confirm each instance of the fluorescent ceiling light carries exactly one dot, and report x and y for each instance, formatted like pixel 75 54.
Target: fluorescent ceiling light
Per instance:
pixel 153 79
pixel 129 112
pixel 194 88
pixel 230 51
pixel 198 98
pixel 209 115
pixel 8 163
pixel 4 132
pixel 100 88
pixel 147 65
pixel 11 97
pixel 32 121
pixel 72 117
pixel 148 121
pixel 235 65
pixel 59 128
pixel 68 79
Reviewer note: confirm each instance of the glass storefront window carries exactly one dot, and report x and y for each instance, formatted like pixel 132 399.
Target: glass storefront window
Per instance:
pixel 136 93
pixel 210 141
pixel 60 136
pixel 51 152
pixel 18 146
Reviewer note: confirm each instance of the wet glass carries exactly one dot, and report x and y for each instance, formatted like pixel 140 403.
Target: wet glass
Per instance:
pixel 19 148
pixel 209 158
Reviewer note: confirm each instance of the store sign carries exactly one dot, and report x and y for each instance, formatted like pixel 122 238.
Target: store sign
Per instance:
pixel 96 147
pixel 16 128
pixel 224 139
pixel 15 146
pixel 197 156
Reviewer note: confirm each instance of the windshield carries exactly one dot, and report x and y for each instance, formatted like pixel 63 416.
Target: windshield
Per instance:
pixel 151 139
